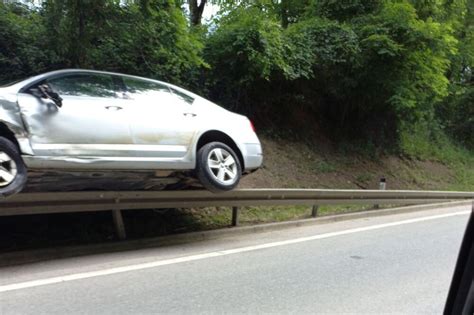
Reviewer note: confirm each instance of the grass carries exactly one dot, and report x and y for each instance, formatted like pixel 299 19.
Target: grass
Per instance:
pixel 212 218
pixel 322 166
pixel 423 144
pixel 364 177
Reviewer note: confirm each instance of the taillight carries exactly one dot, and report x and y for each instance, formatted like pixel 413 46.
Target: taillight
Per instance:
pixel 252 126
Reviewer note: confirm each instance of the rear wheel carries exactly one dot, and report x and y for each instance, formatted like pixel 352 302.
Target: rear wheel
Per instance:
pixel 218 167
pixel 13 173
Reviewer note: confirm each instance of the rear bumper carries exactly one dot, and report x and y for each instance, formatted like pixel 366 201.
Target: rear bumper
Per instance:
pixel 253 156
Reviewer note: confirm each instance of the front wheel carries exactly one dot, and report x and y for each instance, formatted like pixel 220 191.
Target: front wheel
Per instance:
pixel 217 167
pixel 12 169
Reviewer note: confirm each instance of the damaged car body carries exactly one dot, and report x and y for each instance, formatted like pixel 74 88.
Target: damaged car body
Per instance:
pixel 84 129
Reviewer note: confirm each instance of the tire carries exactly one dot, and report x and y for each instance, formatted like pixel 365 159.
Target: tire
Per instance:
pixel 13 174
pixel 218 172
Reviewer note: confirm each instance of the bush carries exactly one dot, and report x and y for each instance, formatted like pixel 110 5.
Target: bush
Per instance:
pixel 245 53
pixel 22 35
pixel 148 38
pixel 457 115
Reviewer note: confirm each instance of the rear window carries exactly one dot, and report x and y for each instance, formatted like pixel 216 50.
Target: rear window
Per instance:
pixel 184 97
pixel 138 89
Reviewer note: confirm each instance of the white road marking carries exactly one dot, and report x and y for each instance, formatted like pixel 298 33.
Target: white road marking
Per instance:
pixel 111 271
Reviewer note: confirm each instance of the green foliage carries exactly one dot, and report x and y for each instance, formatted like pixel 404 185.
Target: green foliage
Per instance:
pixel 358 71
pixel 325 43
pixel 457 116
pixel 456 112
pixel 373 66
pixel 322 166
pixel 149 38
pixel 286 11
pixel 342 9
pixel 324 52
pixel 153 41
pixel 22 48
pixel 247 48
pixel 74 27
pixel 248 45
pixel 424 142
pixel 416 53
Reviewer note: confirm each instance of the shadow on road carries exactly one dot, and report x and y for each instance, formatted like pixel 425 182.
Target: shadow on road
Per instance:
pixel 51 230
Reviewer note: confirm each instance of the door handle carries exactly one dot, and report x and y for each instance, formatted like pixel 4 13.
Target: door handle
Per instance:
pixel 190 114
pixel 113 108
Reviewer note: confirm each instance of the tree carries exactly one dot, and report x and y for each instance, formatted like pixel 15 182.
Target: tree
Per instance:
pixel 245 51
pixel 23 49
pixel 379 66
pixel 146 37
pixel 456 112
pixel 75 26
pixel 195 11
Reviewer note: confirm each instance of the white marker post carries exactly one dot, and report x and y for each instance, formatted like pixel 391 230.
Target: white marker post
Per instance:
pixel 382 186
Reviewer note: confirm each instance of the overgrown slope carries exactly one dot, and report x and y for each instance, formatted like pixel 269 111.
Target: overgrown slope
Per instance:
pixel 323 165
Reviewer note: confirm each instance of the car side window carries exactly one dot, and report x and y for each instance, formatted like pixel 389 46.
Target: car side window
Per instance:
pixel 182 96
pixel 84 84
pixel 138 89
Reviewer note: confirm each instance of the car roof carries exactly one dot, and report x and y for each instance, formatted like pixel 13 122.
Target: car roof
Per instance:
pixel 26 83
pixel 42 76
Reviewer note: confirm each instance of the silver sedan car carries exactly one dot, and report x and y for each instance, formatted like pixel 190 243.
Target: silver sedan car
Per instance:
pixel 100 122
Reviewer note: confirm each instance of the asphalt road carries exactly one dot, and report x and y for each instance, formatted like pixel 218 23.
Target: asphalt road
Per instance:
pixel 391 264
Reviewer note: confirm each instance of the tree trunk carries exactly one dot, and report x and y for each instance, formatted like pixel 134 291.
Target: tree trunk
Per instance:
pixel 284 13
pixel 195 11
pixel 82 26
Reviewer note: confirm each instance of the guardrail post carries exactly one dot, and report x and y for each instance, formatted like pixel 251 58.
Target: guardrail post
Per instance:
pixel 314 211
pixel 382 186
pixel 235 216
pixel 118 222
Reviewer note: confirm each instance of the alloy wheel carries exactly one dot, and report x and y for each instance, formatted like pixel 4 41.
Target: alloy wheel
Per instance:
pixel 222 166
pixel 8 169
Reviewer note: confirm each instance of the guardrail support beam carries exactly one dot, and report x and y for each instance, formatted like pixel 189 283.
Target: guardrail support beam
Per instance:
pixel 235 216
pixel 118 224
pixel 314 211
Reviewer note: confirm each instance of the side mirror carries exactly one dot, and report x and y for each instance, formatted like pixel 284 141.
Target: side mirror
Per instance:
pixel 45 91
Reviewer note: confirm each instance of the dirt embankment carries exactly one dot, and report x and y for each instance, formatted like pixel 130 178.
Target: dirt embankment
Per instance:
pixel 296 165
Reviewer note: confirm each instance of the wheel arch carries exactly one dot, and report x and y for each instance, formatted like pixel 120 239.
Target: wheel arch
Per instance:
pixel 8 134
pixel 219 136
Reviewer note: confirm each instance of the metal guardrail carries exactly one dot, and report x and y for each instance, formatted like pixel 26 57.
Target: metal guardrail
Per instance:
pixel 115 201
pixel 60 202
